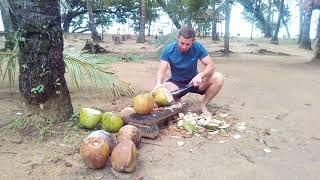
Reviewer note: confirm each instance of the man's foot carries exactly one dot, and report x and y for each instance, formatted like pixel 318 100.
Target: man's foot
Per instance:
pixel 205 110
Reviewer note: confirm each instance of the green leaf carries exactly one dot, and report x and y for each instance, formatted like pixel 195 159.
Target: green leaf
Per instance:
pixel 79 69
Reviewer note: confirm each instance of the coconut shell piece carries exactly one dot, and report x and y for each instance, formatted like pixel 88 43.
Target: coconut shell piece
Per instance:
pixel 130 132
pixel 124 157
pixel 94 152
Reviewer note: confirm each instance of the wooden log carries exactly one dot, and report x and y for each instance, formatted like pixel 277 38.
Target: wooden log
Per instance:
pixel 150 124
pixel 94 48
pixel 155 117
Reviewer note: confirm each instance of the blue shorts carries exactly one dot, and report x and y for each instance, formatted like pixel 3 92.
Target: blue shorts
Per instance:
pixel 182 84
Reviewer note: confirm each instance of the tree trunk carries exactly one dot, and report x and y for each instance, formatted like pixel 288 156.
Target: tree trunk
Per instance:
pixel 173 16
pixel 67 21
pixel 214 34
pixel 286 26
pixel 301 16
pixel 41 81
pixel 149 28
pixel 142 26
pixel 268 19
pixel 305 42
pixel 266 25
pixel 258 15
pixel 274 39
pixel 227 25
pixel 92 25
pixel 252 23
pixel 8 28
pixel 284 22
pixel 316 57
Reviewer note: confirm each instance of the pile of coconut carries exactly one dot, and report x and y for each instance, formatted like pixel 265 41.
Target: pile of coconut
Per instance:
pixel 99 145
pixel 115 140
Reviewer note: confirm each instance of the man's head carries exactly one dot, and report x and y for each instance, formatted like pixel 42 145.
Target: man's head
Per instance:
pixel 186 37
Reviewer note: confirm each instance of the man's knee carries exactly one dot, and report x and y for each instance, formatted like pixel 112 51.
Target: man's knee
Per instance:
pixel 218 78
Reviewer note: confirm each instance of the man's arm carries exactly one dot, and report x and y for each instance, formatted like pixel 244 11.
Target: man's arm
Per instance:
pixel 161 72
pixel 208 71
pixel 209 67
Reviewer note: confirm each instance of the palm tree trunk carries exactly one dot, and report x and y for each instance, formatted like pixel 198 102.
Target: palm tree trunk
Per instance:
pixel 269 11
pixel 141 38
pixel 92 25
pixel 301 16
pixel 149 28
pixel 41 81
pixel 226 34
pixel 252 23
pixel 274 39
pixel 286 26
pixel 305 42
pixel 214 33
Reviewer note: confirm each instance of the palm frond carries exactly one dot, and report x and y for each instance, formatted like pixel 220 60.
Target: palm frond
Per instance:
pixel 8 60
pixel 81 69
pixel 166 39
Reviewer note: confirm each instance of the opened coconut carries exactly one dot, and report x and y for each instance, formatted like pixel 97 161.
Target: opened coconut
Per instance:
pixel 89 118
pixel 130 132
pixel 109 138
pixel 143 103
pixel 163 97
pixel 124 157
pixel 111 122
pixel 94 152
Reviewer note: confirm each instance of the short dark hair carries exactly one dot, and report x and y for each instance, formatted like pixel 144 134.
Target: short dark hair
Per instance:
pixel 187 32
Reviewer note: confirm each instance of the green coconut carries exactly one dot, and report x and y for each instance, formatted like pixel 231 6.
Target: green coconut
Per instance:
pixel 111 122
pixel 89 118
pixel 163 97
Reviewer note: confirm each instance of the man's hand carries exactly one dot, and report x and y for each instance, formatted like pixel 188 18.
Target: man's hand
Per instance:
pixel 197 80
pixel 156 87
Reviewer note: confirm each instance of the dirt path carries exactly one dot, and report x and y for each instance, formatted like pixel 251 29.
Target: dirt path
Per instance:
pixel 277 93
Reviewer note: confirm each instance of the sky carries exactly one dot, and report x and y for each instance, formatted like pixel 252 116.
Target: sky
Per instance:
pixel 237 24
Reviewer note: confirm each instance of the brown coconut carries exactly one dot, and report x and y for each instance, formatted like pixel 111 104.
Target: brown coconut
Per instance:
pixel 124 157
pixel 143 103
pixel 94 152
pixel 109 138
pixel 130 132
pixel 126 112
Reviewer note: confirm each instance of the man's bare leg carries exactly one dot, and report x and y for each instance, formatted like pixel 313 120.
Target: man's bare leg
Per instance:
pixel 213 85
pixel 172 87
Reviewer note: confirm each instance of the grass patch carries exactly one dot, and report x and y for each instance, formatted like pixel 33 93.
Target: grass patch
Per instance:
pixel 73 134
pixel 19 124
pixel 44 129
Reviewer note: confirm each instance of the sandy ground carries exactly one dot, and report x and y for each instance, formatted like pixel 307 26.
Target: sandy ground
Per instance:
pixel 268 92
